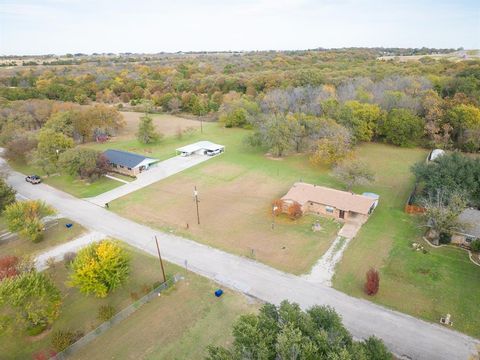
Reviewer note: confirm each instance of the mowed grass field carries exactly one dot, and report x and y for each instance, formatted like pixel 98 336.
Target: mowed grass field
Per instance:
pixel 236 190
pixel 180 324
pixel 188 307
pixel 55 234
pixel 425 285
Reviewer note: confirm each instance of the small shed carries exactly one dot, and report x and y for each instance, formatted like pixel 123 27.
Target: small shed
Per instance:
pixel 201 148
pixel 127 163
pixel 435 153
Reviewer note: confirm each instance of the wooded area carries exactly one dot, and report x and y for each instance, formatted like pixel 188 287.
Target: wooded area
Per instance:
pixel 285 96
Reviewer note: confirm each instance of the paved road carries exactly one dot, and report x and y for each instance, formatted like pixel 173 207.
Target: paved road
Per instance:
pixel 406 336
pixel 156 173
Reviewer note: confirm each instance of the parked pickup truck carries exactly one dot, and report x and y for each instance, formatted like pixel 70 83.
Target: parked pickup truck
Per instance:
pixel 33 179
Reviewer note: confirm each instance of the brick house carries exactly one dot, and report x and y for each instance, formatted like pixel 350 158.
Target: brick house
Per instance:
pixel 127 163
pixel 334 203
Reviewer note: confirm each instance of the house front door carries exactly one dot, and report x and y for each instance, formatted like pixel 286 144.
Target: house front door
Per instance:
pixel 342 214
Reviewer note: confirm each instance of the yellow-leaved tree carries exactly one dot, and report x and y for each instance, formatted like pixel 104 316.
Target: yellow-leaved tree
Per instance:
pixel 100 268
pixel 25 218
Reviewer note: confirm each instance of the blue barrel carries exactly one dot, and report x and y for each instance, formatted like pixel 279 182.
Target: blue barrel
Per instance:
pixel 68 226
pixel 218 292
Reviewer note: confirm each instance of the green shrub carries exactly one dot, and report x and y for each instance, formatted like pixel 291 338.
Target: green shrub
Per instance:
pixel 375 349
pixel 105 312
pixel 445 238
pixel 156 284
pixel 68 258
pixel 62 339
pixel 36 330
pixel 475 245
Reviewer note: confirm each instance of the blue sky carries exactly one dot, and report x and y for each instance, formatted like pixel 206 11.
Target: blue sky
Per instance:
pixel 63 26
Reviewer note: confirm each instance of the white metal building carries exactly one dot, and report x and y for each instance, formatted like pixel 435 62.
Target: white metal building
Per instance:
pixel 435 153
pixel 201 148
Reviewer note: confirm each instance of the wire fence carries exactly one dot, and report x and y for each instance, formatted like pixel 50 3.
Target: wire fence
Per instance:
pixel 120 316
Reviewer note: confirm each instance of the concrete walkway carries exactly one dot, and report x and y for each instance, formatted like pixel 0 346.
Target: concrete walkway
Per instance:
pixel 324 269
pixel 406 336
pixel 156 173
pixel 118 179
pixel 59 251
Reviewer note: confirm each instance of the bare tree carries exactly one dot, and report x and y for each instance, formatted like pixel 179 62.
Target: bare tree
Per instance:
pixel 441 215
pixel 353 172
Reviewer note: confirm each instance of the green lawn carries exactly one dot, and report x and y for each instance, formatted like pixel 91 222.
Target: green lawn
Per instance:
pixel 178 325
pixel 179 315
pixel 68 183
pixel 424 285
pixel 53 236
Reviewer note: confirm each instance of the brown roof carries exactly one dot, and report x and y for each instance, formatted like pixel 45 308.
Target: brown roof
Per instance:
pixel 342 200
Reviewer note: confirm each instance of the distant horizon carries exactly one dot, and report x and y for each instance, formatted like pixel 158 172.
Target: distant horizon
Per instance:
pixel 78 53
pixel 40 27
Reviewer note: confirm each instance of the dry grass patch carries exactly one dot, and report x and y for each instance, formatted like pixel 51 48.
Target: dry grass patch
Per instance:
pixel 177 325
pixel 167 124
pixel 55 234
pixel 235 215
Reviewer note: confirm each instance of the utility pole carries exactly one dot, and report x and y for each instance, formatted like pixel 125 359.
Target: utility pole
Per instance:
pixel 195 195
pixel 201 125
pixel 160 258
pixel 274 208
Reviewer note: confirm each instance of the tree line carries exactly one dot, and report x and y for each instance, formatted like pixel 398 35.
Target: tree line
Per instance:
pixel 45 133
pixel 403 111
pixel 196 82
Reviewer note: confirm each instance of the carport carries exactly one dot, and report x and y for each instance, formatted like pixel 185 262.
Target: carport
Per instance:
pixel 200 148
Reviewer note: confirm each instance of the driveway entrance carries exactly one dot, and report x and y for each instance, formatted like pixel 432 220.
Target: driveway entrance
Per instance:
pixel 155 173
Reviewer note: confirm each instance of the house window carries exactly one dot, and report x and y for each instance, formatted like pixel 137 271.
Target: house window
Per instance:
pixel 329 209
pixel 129 168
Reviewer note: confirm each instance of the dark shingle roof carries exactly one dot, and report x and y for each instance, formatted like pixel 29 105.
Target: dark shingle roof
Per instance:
pixel 123 158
